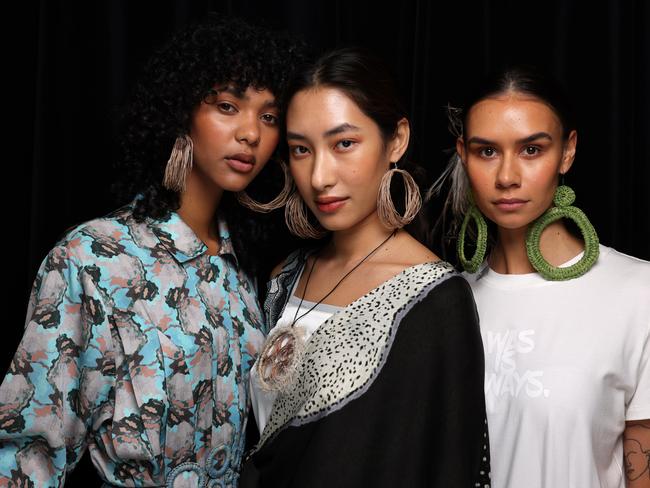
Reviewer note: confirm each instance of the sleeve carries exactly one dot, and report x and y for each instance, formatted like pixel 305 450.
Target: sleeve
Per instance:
pixel 61 374
pixel 462 451
pixel 442 406
pixel 639 406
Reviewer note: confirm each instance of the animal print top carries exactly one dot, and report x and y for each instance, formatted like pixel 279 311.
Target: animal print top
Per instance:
pixel 389 391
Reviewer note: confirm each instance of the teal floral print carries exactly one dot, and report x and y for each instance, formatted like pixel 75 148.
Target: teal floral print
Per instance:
pixel 137 347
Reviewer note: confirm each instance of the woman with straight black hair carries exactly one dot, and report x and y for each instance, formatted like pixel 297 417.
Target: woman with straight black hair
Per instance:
pixel 372 371
pixel 565 320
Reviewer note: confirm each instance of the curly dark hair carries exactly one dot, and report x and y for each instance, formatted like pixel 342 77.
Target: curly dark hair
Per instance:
pixel 174 82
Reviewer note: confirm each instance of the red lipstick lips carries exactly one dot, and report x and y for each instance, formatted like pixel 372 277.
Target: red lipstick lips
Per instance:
pixel 330 204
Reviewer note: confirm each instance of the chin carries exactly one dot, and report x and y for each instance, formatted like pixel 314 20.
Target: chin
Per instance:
pixel 335 223
pixel 331 226
pixel 517 221
pixel 512 224
pixel 233 184
pixel 330 222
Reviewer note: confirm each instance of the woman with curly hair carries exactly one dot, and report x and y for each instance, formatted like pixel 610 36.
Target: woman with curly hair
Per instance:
pixel 142 325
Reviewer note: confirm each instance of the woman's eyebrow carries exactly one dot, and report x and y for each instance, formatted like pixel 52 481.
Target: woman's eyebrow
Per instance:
pixel 340 128
pixel 530 138
pixel 533 137
pixel 295 135
pixel 237 93
pixel 479 140
pixel 330 132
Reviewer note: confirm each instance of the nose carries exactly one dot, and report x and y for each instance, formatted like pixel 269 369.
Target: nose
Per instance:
pixel 248 130
pixel 508 174
pixel 323 173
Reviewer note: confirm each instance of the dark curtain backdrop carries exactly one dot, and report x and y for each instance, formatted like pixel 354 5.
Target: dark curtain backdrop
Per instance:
pixel 71 64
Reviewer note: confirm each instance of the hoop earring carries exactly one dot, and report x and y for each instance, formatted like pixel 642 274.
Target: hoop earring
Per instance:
pixel 473 213
pixel 179 164
pixel 245 200
pixel 564 197
pixel 295 216
pixel 386 210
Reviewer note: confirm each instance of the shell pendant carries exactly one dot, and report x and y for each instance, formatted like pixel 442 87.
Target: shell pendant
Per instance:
pixel 280 358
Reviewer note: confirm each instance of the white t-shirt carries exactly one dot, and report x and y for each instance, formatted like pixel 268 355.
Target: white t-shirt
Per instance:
pixel 566 366
pixel 262 400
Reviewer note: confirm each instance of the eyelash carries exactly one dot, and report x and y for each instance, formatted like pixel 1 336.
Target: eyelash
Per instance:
pixel 274 120
pixel 352 143
pixel 229 108
pixel 226 107
pixel 293 149
pixel 338 145
pixel 481 151
pixel 537 150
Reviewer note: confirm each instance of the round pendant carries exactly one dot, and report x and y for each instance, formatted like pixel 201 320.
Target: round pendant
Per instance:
pixel 280 357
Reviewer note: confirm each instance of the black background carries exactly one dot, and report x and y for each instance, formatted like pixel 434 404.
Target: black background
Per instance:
pixel 70 65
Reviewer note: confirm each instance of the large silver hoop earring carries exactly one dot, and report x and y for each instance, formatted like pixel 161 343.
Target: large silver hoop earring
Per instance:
pixel 386 210
pixel 245 200
pixel 295 215
pixel 179 164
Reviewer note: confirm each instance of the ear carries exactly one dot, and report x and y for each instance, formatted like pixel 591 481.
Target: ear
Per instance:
pixel 400 141
pixel 460 149
pixel 569 152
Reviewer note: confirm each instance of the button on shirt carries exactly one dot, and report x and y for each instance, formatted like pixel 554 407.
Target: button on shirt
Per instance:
pixel 138 346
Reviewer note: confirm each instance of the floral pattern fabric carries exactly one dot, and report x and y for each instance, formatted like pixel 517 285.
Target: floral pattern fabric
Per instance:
pixel 137 346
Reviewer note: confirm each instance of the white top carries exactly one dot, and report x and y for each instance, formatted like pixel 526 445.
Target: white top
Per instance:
pixel 262 400
pixel 566 366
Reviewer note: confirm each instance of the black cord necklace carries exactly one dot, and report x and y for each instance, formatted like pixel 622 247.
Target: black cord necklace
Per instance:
pixel 311 269
pixel 281 356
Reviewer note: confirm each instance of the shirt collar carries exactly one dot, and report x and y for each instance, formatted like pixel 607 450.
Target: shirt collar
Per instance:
pixel 181 242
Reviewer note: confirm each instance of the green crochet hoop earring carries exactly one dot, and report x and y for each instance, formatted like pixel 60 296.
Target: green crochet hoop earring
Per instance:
pixel 564 197
pixel 473 213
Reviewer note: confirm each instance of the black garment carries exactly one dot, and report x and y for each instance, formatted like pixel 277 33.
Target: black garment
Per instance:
pixel 420 423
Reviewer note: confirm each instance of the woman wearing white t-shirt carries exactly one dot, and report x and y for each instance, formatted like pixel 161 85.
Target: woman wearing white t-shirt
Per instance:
pixel 564 320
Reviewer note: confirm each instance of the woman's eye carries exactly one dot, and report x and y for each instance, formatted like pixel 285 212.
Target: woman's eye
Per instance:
pixel 270 119
pixel 531 150
pixel 298 150
pixel 487 152
pixel 226 107
pixel 345 144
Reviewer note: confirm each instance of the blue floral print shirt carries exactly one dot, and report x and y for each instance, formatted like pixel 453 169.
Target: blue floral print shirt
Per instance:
pixel 138 346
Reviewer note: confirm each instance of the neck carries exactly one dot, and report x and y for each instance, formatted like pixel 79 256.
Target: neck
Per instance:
pixel 199 204
pixel 556 244
pixel 353 244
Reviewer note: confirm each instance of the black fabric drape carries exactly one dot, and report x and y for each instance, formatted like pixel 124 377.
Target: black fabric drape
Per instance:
pixel 72 63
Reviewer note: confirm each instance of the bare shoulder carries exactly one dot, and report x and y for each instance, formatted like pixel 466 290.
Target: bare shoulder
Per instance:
pixel 405 252
pixel 422 254
pixel 410 251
